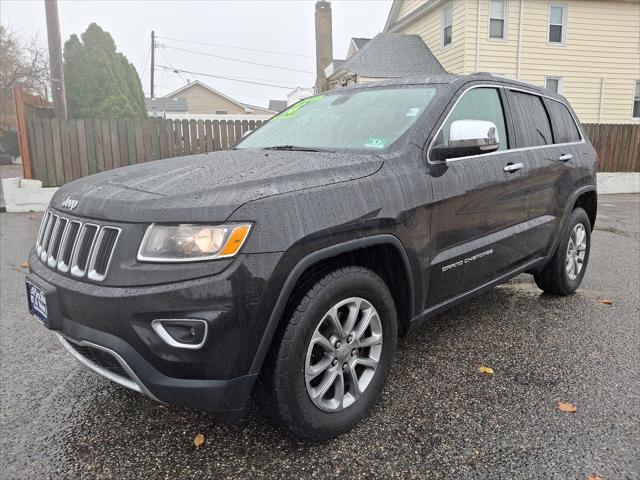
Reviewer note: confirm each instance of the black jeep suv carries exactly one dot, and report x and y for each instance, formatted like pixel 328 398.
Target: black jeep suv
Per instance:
pixel 289 265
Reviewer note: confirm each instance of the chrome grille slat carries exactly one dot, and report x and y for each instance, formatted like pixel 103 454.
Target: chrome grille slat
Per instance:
pixel 67 245
pixel 46 239
pixel 102 253
pixel 43 225
pixel 83 249
pixel 56 238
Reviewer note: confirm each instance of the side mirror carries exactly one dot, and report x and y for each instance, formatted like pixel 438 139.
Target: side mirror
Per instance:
pixel 468 137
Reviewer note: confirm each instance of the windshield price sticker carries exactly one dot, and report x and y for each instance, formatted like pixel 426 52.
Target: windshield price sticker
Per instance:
pixel 376 142
pixel 293 111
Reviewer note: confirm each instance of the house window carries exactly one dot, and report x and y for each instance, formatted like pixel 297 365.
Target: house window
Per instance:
pixel 447 28
pixel 498 19
pixel 557 22
pixel 553 83
pixel 221 112
pixel 636 101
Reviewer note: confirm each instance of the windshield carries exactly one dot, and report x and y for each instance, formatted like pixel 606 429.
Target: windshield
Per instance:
pixel 367 119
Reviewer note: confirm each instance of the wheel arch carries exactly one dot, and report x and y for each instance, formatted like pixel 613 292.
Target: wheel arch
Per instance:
pixel 358 251
pixel 583 196
pixel 588 201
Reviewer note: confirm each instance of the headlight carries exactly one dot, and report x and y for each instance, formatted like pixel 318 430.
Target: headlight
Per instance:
pixel 191 243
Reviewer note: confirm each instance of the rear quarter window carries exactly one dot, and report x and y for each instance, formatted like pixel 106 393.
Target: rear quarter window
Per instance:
pixel 531 120
pixel 564 126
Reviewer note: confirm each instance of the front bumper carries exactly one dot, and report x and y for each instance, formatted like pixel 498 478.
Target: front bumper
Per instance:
pixel 108 329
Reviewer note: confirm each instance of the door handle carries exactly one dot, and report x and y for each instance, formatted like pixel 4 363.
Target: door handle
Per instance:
pixel 565 157
pixel 513 167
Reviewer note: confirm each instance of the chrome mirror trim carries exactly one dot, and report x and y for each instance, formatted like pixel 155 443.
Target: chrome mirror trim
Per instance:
pixel 482 134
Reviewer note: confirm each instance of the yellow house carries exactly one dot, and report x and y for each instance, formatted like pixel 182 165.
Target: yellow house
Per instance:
pixel 586 50
pixel 200 101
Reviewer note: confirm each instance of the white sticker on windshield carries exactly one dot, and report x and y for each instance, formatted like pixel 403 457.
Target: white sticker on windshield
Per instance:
pixel 412 112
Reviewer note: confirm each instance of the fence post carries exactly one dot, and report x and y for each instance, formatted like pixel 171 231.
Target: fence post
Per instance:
pixel 27 171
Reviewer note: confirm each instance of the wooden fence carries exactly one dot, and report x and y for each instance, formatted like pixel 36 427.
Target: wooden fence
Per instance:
pixel 62 151
pixel 618 146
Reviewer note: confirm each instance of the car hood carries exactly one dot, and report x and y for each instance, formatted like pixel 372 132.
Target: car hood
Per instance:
pixel 206 187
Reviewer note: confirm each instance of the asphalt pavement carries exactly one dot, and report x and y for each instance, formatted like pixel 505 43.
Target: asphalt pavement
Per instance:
pixel 439 416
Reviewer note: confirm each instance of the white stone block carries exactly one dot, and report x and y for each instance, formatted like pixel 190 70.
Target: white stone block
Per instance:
pixel 624 182
pixel 28 183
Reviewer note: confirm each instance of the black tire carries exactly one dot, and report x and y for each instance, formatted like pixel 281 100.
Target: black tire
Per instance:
pixel 282 386
pixel 554 278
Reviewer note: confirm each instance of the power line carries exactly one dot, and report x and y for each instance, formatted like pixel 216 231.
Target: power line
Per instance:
pixel 283 83
pixel 237 48
pixel 237 60
pixel 144 67
pixel 177 70
pixel 169 63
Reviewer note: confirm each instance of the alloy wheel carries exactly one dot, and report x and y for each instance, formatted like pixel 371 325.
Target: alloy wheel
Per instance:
pixel 343 354
pixel 576 251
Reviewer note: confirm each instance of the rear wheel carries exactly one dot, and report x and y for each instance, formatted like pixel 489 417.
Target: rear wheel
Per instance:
pixel 334 356
pixel 564 272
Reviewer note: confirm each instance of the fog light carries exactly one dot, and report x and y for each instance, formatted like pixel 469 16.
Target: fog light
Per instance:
pixel 189 333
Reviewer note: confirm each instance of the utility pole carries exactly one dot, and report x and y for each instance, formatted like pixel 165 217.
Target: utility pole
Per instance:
pixel 55 59
pixel 153 59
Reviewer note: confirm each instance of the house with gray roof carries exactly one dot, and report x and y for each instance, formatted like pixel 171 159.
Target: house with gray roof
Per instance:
pixel 196 100
pixel 356 44
pixel 159 107
pixel 387 55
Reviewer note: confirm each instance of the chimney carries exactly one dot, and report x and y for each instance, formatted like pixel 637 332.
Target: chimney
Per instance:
pixel 324 43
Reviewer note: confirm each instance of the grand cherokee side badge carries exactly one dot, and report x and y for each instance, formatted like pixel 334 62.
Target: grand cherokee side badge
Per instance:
pixel 69 203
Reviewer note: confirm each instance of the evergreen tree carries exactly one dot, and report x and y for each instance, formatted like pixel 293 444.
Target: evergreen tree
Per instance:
pixel 99 81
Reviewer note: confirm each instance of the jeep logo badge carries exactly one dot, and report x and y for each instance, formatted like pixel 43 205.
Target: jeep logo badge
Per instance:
pixel 69 203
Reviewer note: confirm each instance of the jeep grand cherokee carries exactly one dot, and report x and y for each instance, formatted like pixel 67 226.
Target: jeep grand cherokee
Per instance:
pixel 289 265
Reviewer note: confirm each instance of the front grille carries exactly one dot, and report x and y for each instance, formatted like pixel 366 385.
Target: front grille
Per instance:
pixel 84 249
pixel 102 359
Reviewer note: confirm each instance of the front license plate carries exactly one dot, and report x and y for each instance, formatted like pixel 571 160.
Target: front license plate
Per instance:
pixel 37 299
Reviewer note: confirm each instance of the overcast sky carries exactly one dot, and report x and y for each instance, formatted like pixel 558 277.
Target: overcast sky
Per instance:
pixel 278 26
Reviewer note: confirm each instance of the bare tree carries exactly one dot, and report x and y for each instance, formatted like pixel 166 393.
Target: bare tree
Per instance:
pixel 23 62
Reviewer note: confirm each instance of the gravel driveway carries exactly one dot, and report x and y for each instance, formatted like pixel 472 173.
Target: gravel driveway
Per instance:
pixel 439 416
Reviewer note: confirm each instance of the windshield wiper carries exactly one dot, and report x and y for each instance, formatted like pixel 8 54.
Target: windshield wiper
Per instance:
pixel 296 148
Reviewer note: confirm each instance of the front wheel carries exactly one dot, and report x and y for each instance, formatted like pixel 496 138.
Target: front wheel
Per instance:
pixel 334 356
pixel 564 272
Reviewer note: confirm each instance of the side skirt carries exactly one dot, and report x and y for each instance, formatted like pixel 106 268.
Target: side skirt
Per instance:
pixel 431 312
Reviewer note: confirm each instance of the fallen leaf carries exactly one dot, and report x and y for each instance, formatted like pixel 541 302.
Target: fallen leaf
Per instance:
pixel 487 370
pixel 594 477
pixel 567 407
pixel 199 440
pixel 24 264
pixel 606 301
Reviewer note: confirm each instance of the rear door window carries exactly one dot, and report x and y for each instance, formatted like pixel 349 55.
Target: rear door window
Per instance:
pixel 531 120
pixel 565 129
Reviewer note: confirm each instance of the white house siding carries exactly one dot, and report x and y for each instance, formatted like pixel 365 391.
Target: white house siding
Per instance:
pixel 602 40
pixel 429 27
